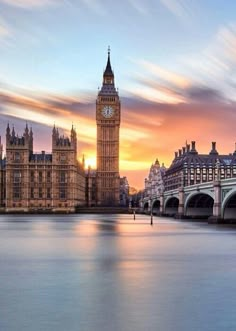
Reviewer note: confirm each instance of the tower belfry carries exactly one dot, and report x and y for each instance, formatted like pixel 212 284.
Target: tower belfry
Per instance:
pixel 108 127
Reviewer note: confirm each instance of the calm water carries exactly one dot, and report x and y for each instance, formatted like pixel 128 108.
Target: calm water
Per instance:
pixel 108 273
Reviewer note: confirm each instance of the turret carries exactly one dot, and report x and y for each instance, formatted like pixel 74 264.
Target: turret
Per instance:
pixel 26 134
pixel 31 140
pixel 8 134
pixel 74 140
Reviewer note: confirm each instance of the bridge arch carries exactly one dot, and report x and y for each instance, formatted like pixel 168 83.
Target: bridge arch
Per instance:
pixel 228 210
pixel 171 206
pixel 199 204
pixel 156 207
pixel 145 207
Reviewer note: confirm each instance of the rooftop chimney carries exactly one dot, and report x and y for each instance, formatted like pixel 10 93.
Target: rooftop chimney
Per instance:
pixel 193 147
pixel 213 148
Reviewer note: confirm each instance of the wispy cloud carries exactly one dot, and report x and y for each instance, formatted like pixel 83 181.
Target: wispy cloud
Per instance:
pixel 180 8
pixel 28 3
pixel 157 84
pixel 5 31
pixel 96 6
pixel 163 74
pixel 145 124
pixel 216 64
pixel 140 6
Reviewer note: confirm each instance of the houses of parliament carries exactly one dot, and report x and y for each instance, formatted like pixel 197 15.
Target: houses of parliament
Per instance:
pixel 57 181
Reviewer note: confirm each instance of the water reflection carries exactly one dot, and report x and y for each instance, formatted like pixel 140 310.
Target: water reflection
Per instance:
pixel 109 272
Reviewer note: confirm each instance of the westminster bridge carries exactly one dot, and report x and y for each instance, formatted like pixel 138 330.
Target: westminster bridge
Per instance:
pixel 214 200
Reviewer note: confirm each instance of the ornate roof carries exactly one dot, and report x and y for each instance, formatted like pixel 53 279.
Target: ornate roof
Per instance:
pixel 108 71
pixel 191 158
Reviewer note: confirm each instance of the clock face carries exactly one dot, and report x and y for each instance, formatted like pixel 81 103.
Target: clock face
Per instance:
pixel 108 111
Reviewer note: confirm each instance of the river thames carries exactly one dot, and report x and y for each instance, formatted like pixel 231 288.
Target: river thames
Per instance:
pixel 113 273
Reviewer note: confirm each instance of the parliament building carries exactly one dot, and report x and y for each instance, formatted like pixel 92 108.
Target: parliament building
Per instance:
pixel 57 181
pixel 33 182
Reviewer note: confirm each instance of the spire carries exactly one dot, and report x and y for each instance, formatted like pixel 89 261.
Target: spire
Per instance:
pixel 8 129
pixel 26 130
pixel 157 162
pixel 108 71
pixel 54 129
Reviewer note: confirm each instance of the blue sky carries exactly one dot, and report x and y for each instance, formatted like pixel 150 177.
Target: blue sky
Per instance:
pixel 61 45
pixel 174 63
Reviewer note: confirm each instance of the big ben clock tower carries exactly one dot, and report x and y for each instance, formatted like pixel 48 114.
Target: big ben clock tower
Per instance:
pixel 108 127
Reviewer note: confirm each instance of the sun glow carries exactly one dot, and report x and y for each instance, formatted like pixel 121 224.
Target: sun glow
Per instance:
pixel 90 162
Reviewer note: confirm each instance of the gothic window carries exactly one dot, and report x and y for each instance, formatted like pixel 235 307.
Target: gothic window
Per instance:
pixel 40 193
pixel 16 192
pixel 62 193
pixel 63 158
pixel 48 176
pixel 16 177
pixel 17 157
pixel 32 193
pixel 62 177
pixel 40 176
pixel 48 193
pixel 32 176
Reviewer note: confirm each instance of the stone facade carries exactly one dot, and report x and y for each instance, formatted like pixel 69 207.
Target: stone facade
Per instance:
pixel 41 182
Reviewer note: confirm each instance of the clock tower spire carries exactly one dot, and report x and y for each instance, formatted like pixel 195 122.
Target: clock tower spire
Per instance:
pixel 108 128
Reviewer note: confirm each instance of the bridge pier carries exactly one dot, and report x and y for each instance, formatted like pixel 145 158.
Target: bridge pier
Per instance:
pixel 162 205
pixel 216 217
pixel 180 213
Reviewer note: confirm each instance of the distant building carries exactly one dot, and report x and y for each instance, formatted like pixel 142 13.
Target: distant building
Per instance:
pixel 91 187
pixel 2 178
pixel 124 192
pixel 47 182
pixel 154 183
pixel 190 168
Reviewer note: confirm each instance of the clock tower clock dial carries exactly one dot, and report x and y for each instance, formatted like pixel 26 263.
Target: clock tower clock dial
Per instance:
pixel 107 111
pixel 108 128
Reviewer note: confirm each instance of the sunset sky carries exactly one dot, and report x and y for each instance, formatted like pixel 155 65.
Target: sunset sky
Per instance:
pixel 174 63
